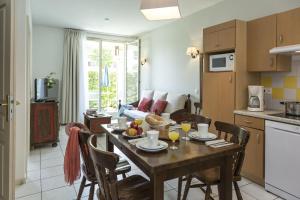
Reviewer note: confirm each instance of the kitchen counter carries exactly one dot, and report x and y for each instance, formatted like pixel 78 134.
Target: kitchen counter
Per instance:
pixel 267 114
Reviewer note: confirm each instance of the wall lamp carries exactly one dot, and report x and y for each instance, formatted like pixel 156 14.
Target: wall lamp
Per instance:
pixel 144 61
pixel 192 51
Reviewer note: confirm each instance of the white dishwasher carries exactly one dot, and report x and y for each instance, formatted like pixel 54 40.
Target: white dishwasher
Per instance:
pixel 282 160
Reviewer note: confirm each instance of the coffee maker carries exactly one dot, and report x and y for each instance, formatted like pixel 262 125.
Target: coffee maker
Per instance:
pixel 255 98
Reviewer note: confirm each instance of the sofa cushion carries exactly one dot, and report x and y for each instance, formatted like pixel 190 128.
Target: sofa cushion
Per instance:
pixel 175 102
pixel 146 93
pixel 160 95
pixel 159 106
pixel 145 104
pixel 135 114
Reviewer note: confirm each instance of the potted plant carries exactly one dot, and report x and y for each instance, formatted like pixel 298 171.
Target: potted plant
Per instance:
pixel 50 80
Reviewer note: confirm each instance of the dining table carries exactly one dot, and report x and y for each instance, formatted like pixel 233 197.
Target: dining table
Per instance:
pixel 191 156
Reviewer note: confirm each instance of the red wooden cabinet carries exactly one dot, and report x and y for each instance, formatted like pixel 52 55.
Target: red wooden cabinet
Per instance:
pixel 44 125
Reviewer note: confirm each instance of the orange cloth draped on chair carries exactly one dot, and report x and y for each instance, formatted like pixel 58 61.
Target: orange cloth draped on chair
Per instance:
pixel 72 157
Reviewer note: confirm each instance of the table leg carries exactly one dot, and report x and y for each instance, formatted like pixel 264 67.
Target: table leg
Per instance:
pixel 157 183
pixel 109 145
pixel 225 187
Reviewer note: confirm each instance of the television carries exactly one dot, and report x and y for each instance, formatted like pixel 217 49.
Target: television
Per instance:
pixel 43 93
pixel 41 90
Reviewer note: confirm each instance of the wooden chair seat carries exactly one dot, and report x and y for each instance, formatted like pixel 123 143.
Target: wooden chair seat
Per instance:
pixel 134 188
pixel 210 176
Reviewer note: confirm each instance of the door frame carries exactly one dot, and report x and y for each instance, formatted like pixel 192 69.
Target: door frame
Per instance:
pixel 10 183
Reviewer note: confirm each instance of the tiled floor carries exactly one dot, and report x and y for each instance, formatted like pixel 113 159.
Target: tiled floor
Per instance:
pixel 46 179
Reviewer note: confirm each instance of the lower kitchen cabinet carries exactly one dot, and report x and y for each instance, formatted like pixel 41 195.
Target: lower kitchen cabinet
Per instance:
pixel 253 167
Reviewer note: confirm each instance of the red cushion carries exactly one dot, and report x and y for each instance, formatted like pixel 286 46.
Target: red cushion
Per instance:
pixel 145 105
pixel 159 106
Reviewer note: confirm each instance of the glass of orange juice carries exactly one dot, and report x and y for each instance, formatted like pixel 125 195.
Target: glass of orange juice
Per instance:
pixel 186 127
pixel 173 135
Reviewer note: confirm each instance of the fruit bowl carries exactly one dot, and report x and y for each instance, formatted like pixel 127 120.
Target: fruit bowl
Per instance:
pixel 133 136
pixel 134 129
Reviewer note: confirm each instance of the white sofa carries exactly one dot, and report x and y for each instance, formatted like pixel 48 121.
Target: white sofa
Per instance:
pixel 177 103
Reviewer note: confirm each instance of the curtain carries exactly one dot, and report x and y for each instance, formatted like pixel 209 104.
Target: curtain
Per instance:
pixel 72 62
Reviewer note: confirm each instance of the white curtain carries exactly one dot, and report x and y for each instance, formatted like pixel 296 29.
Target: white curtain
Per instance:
pixel 71 82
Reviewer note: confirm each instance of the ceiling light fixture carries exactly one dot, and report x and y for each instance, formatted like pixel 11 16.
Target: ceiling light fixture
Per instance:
pixel 160 9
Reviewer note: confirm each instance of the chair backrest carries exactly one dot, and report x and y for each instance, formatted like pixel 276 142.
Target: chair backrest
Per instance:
pixel 73 124
pixel 193 118
pixel 83 137
pixel 85 154
pixel 237 135
pixel 197 108
pixel 105 164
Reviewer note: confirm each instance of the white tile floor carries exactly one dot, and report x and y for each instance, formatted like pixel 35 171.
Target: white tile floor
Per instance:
pixel 46 179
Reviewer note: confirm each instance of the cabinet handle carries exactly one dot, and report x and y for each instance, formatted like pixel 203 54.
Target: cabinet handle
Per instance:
pixel 257 138
pixel 281 38
pixel 271 62
pixel 230 79
pixel 247 121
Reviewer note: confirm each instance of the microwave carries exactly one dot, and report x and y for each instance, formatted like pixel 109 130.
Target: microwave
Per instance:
pixel 221 62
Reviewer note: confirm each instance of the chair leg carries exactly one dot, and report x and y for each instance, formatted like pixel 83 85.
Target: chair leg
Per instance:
pixel 187 187
pixel 124 175
pixel 208 192
pixel 82 184
pixel 237 191
pixel 179 188
pixel 92 190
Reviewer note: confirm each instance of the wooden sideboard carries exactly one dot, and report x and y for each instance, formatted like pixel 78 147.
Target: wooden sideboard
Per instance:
pixel 44 123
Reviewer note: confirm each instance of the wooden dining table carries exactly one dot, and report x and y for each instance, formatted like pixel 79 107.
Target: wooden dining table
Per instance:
pixel 191 156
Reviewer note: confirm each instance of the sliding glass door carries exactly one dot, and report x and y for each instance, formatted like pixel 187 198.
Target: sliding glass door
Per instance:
pixel 132 72
pixel 113 73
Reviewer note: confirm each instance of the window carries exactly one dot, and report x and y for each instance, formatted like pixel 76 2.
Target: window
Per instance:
pixel 113 73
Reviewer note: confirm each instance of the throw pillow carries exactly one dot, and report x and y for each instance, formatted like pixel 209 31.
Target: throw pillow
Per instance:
pixel 145 104
pixel 146 94
pixel 159 106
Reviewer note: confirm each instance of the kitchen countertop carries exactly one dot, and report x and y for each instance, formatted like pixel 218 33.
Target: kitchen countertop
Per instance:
pixel 267 114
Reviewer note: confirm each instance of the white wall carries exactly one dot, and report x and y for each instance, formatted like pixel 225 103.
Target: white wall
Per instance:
pixel 22 29
pixel 169 68
pixel 47 52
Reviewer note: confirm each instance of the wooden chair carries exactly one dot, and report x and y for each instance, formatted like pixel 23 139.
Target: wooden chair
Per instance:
pixel 87 166
pixel 133 187
pixel 194 119
pixel 197 108
pixel 210 177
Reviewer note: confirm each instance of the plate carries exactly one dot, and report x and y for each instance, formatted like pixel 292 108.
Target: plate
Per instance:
pixel 128 136
pixel 143 146
pixel 195 136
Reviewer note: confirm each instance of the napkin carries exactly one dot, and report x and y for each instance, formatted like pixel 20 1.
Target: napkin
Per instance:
pixel 135 141
pixel 214 142
pixel 218 143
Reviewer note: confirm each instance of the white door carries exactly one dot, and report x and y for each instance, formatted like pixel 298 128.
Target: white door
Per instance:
pixel 6 106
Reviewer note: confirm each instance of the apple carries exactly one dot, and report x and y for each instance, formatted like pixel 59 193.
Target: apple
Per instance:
pixel 139 131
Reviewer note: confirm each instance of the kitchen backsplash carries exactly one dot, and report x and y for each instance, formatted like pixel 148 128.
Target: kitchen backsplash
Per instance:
pixel 284 85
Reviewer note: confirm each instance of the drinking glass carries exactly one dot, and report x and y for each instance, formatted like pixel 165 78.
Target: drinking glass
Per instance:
pixel 173 135
pixel 186 127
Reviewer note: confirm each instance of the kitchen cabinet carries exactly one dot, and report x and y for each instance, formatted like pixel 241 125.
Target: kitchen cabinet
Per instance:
pixel 219 98
pixel 253 167
pixel 220 37
pixel 261 37
pixel 288 29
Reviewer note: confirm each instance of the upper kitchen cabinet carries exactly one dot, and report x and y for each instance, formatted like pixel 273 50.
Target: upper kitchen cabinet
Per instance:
pixel 220 37
pixel 261 37
pixel 288 28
